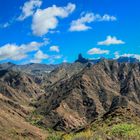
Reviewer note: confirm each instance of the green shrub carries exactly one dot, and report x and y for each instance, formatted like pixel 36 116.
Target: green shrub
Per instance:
pixel 85 135
pixel 54 137
pixel 125 130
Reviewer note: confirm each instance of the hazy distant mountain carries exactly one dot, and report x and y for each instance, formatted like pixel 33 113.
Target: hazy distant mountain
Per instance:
pixel 35 68
pixel 83 60
pixel 8 65
pixel 127 59
pixel 31 68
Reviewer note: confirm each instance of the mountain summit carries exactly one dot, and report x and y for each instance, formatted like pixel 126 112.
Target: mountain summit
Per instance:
pixel 81 59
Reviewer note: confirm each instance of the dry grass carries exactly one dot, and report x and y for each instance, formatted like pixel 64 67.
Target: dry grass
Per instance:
pixel 13 125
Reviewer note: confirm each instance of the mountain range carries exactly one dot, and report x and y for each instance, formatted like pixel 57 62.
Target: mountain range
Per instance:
pixel 67 97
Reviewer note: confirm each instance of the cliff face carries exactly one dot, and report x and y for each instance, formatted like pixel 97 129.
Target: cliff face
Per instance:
pixel 75 102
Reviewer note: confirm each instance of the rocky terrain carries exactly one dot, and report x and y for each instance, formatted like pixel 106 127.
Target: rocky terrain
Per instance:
pixel 68 98
pixel 97 89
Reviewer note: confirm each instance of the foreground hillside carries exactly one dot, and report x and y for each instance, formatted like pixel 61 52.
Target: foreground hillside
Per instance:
pixel 79 101
pixel 13 124
pixel 118 125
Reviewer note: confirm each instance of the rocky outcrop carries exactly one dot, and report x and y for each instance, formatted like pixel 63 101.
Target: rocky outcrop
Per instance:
pixel 81 59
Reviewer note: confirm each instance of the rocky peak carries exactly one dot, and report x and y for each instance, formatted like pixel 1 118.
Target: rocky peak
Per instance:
pixel 81 59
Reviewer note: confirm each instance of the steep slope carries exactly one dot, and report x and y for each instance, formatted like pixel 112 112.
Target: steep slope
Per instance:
pixel 63 72
pixel 75 102
pixel 13 123
pixel 17 90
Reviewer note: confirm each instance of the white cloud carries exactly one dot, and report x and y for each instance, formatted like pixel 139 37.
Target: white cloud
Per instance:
pixel 54 31
pixel 8 23
pixel 65 61
pixel 56 56
pixel 111 41
pixel 5 25
pixel 117 55
pixel 53 58
pixel 97 51
pixel 29 8
pixel 15 52
pixel 107 17
pixel 47 19
pixel 54 48
pixel 81 23
pixel 39 56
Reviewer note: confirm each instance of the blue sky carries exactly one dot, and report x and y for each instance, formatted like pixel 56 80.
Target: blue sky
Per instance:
pixel 55 31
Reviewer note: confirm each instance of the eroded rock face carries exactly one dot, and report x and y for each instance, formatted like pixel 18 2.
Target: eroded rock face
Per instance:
pixel 119 101
pixel 18 86
pixel 77 101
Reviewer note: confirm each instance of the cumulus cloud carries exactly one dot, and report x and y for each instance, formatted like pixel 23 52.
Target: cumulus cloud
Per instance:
pixel 29 8
pixel 111 41
pixel 47 19
pixel 97 51
pixel 117 55
pixel 18 52
pixel 54 48
pixel 39 56
pixel 81 24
